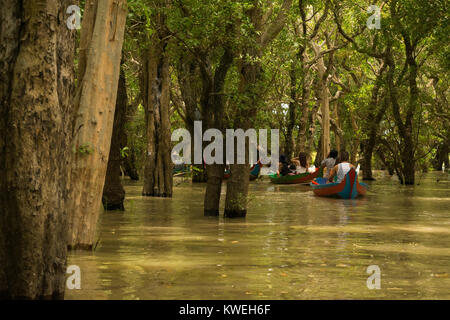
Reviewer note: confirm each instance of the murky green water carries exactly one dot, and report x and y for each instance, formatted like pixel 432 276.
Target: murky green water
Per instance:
pixel 292 245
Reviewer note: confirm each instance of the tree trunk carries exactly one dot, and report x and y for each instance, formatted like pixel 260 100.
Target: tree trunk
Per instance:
pixel 406 168
pixel 100 54
pixel 158 179
pixel 188 75
pixel 213 113
pixel 129 165
pixel 292 114
pixel 319 155
pixel 324 100
pixel 367 160
pixel 237 191
pixel 237 184
pixel 337 128
pixel 36 83
pixel 355 142
pixel 113 192
pixel 441 157
pixel 373 120
pixel 213 189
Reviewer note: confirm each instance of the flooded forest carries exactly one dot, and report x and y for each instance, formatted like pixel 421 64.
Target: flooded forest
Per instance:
pixel 218 149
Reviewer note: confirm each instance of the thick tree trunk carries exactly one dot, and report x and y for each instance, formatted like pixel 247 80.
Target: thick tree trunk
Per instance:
pixel 367 160
pixel 406 168
pixel 213 189
pixel 100 54
pixel 304 130
pixel 319 155
pixel 237 191
pixel 213 113
pixel 441 157
pixel 129 162
pixel 158 179
pixel 113 191
pixel 129 165
pixel 188 75
pixel 237 184
pixel 374 118
pixel 36 83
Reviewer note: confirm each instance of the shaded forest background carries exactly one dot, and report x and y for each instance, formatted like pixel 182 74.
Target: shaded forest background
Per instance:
pixel 81 108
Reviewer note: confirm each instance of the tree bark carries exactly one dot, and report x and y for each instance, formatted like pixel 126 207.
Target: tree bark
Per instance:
pixel 250 88
pixel 36 83
pixel 212 103
pixel 214 188
pixel 441 157
pixel 237 191
pixel 188 78
pixel 324 100
pixel 100 54
pixel 113 191
pixel 373 120
pixel 158 179
pixel 292 113
pixel 406 167
pixel 129 165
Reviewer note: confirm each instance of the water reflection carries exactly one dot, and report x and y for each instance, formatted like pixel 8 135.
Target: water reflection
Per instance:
pixel 291 246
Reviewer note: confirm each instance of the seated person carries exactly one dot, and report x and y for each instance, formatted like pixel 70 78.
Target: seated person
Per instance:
pixel 329 163
pixel 339 171
pixel 302 164
pixel 283 167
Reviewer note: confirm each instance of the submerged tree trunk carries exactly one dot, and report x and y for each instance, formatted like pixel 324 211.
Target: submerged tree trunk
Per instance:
pixel 237 191
pixel 250 89
pixel 213 113
pixel 214 188
pixel 158 179
pixel 36 84
pixel 129 165
pixel 406 167
pixel 99 67
pixel 441 157
pixel 113 191
pixel 237 184
pixel 188 75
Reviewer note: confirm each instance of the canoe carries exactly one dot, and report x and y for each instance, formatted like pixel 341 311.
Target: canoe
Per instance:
pixel 349 188
pixel 254 172
pixel 295 178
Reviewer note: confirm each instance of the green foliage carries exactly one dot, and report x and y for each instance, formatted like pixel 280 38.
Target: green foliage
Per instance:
pixel 199 30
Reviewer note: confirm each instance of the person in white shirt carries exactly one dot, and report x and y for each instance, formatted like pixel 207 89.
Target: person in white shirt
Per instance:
pixel 329 163
pixel 339 171
pixel 302 164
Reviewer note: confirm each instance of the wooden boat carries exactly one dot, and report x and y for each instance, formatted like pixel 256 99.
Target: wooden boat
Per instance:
pixel 349 188
pixel 295 178
pixel 254 172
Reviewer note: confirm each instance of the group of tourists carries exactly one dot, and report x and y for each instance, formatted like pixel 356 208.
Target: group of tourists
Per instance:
pixel 295 166
pixel 335 166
